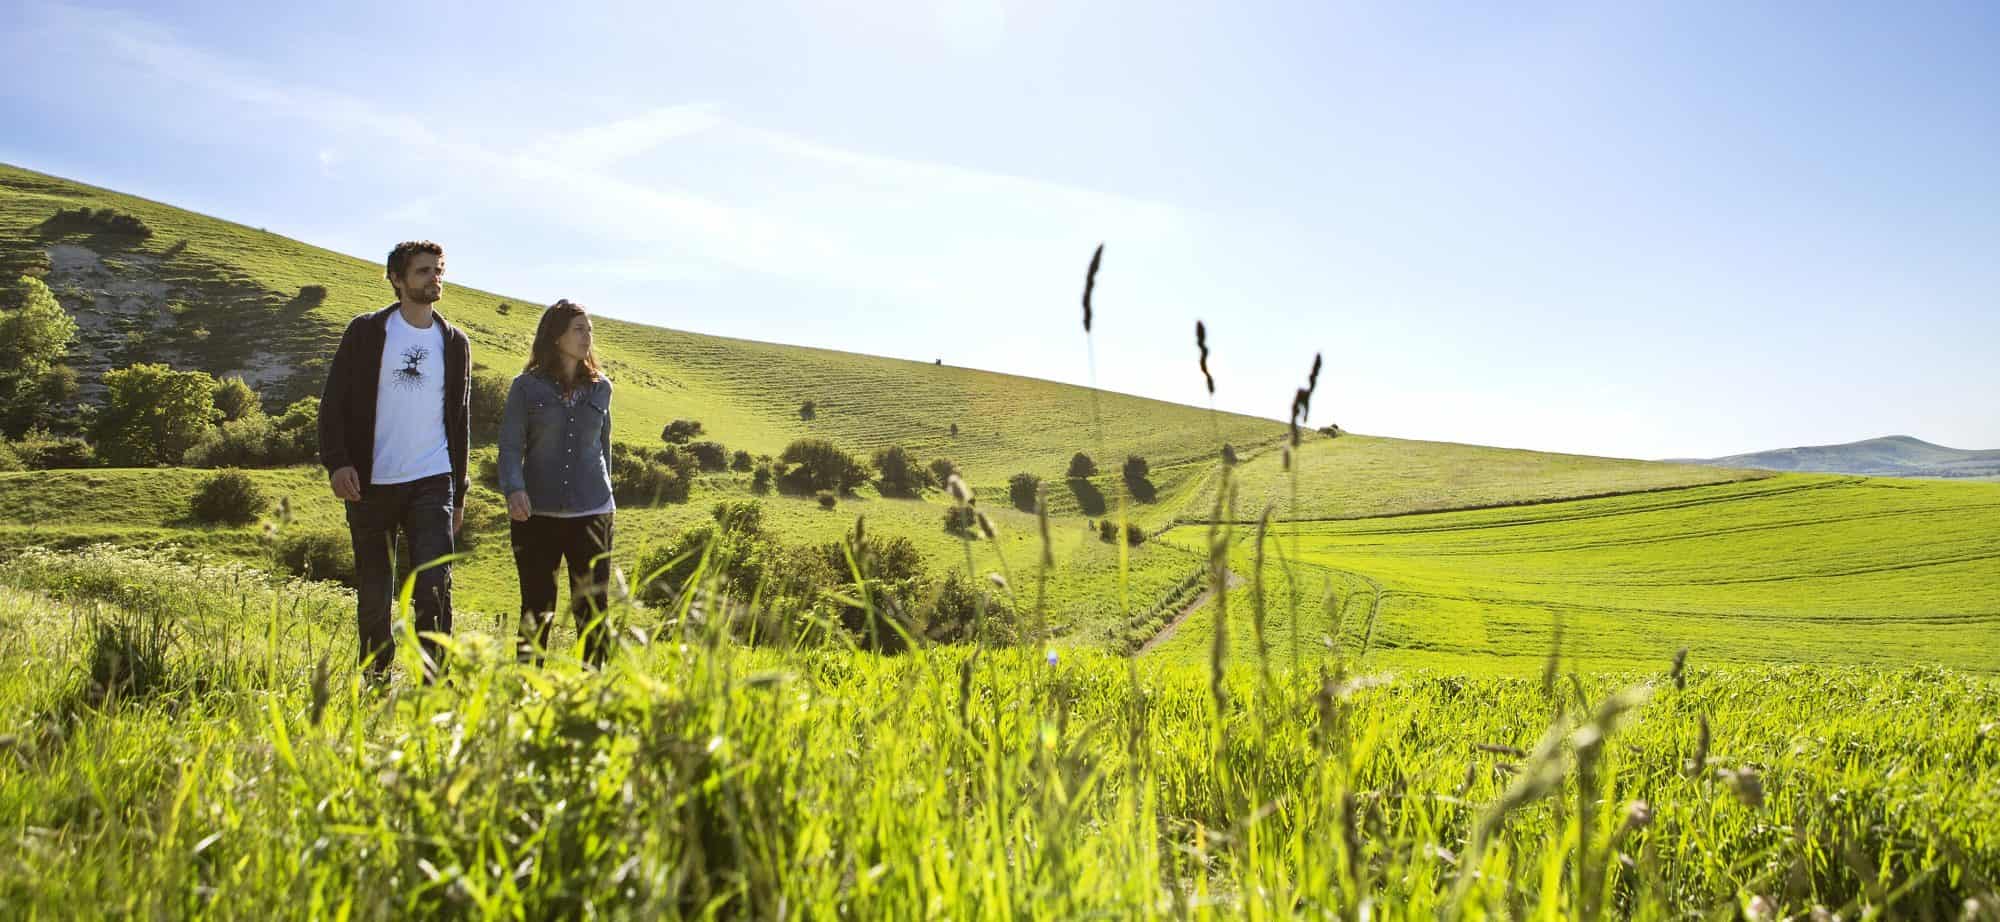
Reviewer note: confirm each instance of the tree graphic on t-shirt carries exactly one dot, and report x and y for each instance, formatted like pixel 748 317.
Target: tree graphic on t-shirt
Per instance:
pixel 411 375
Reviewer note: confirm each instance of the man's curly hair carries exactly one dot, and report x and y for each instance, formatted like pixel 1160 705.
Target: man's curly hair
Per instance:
pixel 399 258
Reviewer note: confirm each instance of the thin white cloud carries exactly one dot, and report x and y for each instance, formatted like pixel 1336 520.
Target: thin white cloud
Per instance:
pixel 600 146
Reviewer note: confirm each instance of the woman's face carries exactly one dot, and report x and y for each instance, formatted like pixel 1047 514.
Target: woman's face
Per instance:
pixel 574 343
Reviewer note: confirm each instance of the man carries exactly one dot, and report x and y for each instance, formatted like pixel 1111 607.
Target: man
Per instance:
pixel 393 430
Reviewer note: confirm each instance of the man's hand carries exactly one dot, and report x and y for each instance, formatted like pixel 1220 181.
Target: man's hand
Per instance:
pixel 347 484
pixel 518 508
pixel 457 518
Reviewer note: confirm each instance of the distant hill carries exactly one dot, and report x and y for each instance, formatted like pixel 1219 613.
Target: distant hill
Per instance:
pixel 1888 456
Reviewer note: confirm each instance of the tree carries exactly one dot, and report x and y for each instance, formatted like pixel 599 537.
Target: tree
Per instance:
pixel 153 413
pixel 1136 468
pixel 1022 489
pixel 35 335
pixel 818 465
pixel 1082 466
pixel 680 431
pixel 235 400
pixel 902 474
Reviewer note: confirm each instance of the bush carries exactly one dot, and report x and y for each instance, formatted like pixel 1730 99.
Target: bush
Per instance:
pixel 740 461
pixel 680 431
pixel 243 442
pixel 101 221
pixel 760 479
pixel 37 450
pixel 959 520
pixel 941 471
pixel 902 475
pixel 808 411
pixel 1136 468
pixel 235 400
pixel 639 478
pixel 489 405
pixel 295 438
pixel 816 465
pixel 954 430
pixel 318 553
pixel 954 612
pixel 229 497
pixel 1081 466
pixel 310 296
pixel 826 499
pixel 1022 489
pixel 503 309
pixel 745 516
pixel 1107 531
pixel 711 456
pixel 10 461
pixel 1228 454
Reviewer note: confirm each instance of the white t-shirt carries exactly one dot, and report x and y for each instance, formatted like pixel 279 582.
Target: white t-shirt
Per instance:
pixel 409 404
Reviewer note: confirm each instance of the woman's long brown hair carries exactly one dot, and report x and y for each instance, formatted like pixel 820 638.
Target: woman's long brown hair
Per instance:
pixel 543 358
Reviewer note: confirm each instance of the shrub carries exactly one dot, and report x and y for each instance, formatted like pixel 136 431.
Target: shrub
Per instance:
pixel 1021 490
pixel 711 456
pixel 740 461
pixel 760 479
pixel 954 611
pixel 295 438
pixel 234 399
pixel 959 520
pixel 1228 454
pixel 638 478
pixel 310 296
pixel 1134 535
pixel 941 471
pixel 318 553
pixel 489 405
pixel 816 464
pixel 680 431
pixel 1107 530
pixel 10 461
pixel 902 475
pixel 503 309
pixel 243 442
pixel 739 515
pixel 1136 468
pixel 826 499
pixel 1081 466
pixel 38 450
pixel 101 221
pixel 808 411
pixel 228 497
pixel 954 430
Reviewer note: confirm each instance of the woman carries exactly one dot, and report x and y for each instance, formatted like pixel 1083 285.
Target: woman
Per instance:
pixel 555 468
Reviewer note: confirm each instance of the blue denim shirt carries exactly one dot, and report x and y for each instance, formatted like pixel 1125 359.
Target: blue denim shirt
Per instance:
pixel 560 454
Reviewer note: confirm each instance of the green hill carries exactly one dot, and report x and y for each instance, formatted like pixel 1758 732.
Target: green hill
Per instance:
pixel 199 292
pixel 1888 456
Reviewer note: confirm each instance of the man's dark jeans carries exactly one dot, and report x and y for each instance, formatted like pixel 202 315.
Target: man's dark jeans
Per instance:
pixel 421 510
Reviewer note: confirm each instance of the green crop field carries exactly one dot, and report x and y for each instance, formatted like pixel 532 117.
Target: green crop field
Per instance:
pixel 1806 569
pixel 1449 691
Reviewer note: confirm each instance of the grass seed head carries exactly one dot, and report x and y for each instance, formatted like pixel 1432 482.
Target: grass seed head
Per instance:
pixel 1201 342
pixel 1090 284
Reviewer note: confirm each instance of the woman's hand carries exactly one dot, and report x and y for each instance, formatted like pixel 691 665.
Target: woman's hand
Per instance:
pixel 517 506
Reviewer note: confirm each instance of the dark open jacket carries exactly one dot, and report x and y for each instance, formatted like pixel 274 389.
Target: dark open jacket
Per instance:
pixel 347 405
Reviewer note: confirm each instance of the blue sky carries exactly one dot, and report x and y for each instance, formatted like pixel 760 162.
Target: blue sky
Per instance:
pixel 1636 229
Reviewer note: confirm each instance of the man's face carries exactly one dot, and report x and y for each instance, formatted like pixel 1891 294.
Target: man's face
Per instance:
pixel 423 280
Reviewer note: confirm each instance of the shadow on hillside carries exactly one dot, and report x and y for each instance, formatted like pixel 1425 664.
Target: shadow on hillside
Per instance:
pixel 1088 497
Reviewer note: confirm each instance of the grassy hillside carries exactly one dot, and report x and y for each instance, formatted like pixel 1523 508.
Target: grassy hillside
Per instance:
pixel 1807 569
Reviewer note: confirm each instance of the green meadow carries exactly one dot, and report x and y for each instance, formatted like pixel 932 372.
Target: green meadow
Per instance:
pixel 1363 677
